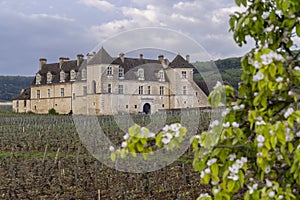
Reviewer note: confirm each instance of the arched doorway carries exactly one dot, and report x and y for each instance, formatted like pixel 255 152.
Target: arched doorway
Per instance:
pixel 147 108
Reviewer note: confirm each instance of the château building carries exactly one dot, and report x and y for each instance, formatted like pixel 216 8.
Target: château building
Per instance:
pixel 105 85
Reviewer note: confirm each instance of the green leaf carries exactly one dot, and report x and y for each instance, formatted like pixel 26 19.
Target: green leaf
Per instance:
pixel 291 148
pixel 113 157
pixel 298 29
pixel 215 169
pixel 230 185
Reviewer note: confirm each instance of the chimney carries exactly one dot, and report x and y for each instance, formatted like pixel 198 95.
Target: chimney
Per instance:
pixel 141 56
pixel 79 59
pixel 121 55
pixel 165 63
pixel 89 55
pixel 187 58
pixel 62 60
pixel 22 90
pixel 43 61
pixel 161 58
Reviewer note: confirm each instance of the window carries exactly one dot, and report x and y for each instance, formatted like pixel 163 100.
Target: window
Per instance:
pixel 84 90
pixel 49 93
pixel 149 89
pixel 161 75
pixel 38 94
pixel 120 89
pixel 25 103
pixel 94 87
pixel 135 106
pixel 141 89
pixel 74 96
pixel 109 71
pixel 17 103
pixel 62 92
pixel 183 74
pixel 49 77
pixel 126 106
pixel 62 76
pixel 161 90
pixel 163 105
pixel 184 90
pixel 121 72
pixel 83 74
pixel 141 74
pixel 109 88
pixel 38 79
pixel 72 75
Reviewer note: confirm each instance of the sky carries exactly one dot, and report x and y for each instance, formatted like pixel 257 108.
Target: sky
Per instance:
pixel 34 29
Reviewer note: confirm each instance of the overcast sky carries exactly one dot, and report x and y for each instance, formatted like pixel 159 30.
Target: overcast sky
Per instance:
pixel 34 29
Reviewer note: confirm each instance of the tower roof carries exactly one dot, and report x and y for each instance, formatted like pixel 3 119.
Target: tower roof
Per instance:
pixel 101 57
pixel 180 62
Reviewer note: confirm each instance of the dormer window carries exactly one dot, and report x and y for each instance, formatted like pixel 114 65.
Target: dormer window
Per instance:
pixel 49 77
pixel 62 76
pixel 109 71
pixel 83 74
pixel 141 75
pixel 183 75
pixel 38 79
pixel 161 75
pixel 121 72
pixel 72 75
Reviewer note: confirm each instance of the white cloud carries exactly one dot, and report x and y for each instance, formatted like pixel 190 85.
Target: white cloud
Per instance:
pixel 47 16
pixel 183 18
pixel 99 4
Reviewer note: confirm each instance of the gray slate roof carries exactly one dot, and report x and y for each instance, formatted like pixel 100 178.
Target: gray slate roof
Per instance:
pixel 24 95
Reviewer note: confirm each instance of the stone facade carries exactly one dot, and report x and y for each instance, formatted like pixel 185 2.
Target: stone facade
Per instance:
pixel 103 85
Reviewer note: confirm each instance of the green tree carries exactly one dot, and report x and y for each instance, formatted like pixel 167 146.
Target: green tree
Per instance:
pixel 254 150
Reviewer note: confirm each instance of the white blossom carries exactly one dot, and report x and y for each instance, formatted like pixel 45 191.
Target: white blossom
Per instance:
pixel 258 76
pixel 166 140
pixel 260 138
pixel 175 127
pixel 280 197
pixel 236 107
pixel 268 169
pixel 126 136
pixel 166 128
pixel 207 171
pixel 214 123
pixel 124 144
pixel 251 189
pixel 271 194
pixel 255 94
pixel 261 122
pixel 232 157
pixel 291 93
pixel 204 195
pixel 260 145
pixel 254 18
pixel 265 15
pixel 242 106
pixel 266 59
pixel 279 79
pixel 111 148
pixel 152 135
pixel 225 112
pixel 269 183
pixel 216 190
pixel 226 125
pixel 244 159
pixel 211 161
pixel 235 124
pixel 215 182
pixel 288 112
pixel 233 177
pixel 202 174
pixel 297 68
pixel 217 85
pixel 285 40
pixel 257 65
